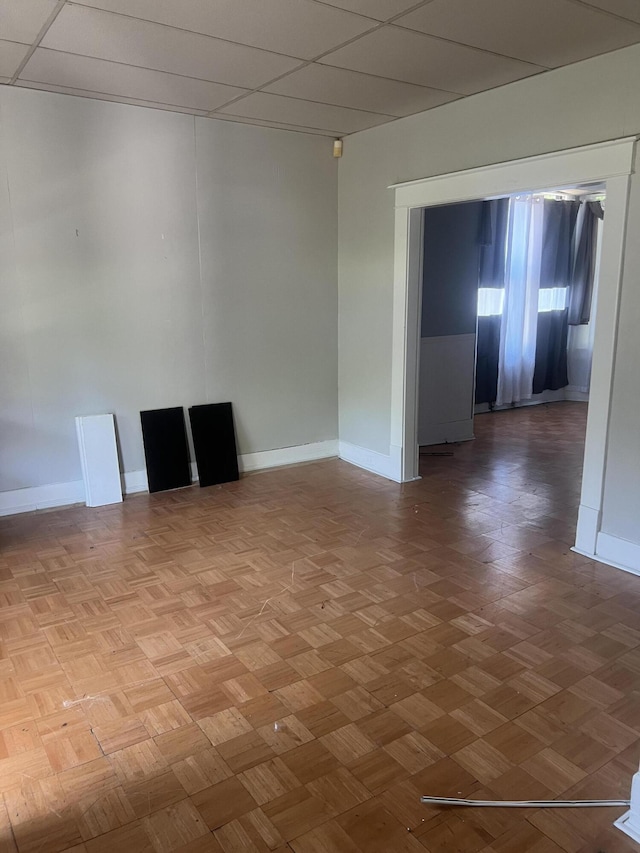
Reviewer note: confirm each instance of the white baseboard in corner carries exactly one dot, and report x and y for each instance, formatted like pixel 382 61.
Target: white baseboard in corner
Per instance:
pixel 619 553
pixel 615 552
pixel 134 482
pixel 288 455
pixel 378 463
pixel 41 497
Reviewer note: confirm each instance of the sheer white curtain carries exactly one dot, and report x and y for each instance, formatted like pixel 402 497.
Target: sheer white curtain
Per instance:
pixel 519 326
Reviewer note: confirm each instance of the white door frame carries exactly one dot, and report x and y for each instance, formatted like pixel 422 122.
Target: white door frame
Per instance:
pixel 608 161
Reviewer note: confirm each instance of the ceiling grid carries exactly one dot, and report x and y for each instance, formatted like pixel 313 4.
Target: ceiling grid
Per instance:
pixel 332 67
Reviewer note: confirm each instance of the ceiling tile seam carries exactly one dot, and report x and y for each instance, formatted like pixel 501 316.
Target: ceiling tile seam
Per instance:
pixel 209 112
pixel 41 34
pixel 260 89
pixel 178 108
pixel 473 47
pixel 312 127
pixel 398 25
pixel 359 14
pixel 139 67
pixel 246 91
pixel 320 56
pixel 375 25
pixel 585 4
pixel 304 64
pixel 201 110
pixel 13 41
pixel 319 103
pixel 384 20
pixel 274 125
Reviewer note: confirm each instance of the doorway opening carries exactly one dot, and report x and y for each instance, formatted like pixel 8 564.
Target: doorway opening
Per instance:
pixel 609 163
pixel 506 323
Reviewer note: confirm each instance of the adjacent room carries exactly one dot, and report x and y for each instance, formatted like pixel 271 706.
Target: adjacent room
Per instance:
pixel 506 322
pixel 319 457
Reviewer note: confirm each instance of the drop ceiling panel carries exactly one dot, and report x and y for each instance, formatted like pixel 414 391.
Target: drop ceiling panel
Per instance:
pixel 304 113
pixel 546 32
pixel 416 58
pixel 625 8
pixel 381 10
pixel 358 91
pixel 91 32
pixel 319 66
pixel 301 28
pixel 22 20
pixel 98 75
pixel 11 55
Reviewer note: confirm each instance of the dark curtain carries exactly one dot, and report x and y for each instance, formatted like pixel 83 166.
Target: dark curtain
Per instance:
pixel 488 352
pixel 551 352
pixel 492 273
pixel 557 263
pixel 568 259
pixel 557 242
pixel 584 266
pixel 493 242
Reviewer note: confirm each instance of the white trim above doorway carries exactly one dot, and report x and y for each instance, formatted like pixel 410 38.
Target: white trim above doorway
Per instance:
pixel 608 161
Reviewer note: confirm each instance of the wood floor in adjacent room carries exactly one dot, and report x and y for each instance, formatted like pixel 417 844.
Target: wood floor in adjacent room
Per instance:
pixel 287 663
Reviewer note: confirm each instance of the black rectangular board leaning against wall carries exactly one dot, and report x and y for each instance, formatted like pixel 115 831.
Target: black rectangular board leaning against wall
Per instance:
pixel 214 442
pixel 165 449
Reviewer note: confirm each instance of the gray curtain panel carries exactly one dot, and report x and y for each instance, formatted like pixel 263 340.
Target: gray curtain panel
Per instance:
pixel 493 242
pixel 557 242
pixel 551 371
pixel 584 266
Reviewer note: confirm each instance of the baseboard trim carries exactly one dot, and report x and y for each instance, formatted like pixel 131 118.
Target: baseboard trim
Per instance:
pixel 618 552
pixel 614 552
pixel 135 482
pixel 576 395
pixel 288 455
pixel 389 466
pixel 41 497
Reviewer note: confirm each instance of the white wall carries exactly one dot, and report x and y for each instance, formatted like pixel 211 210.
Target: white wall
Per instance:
pixel 621 509
pixel 106 306
pixel 584 103
pixel 267 207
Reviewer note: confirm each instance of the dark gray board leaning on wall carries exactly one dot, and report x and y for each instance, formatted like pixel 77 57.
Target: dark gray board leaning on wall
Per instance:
pixel 214 442
pixel 166 451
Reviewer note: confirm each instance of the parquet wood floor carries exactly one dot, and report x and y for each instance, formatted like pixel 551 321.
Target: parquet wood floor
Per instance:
pixel 288 662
